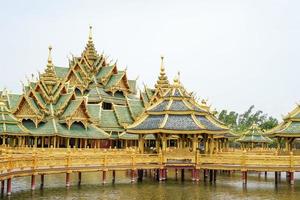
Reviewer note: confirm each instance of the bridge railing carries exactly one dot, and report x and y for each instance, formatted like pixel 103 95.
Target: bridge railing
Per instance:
pixel 249 160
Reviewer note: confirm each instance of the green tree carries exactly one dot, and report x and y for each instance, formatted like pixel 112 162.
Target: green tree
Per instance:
pixel 241 122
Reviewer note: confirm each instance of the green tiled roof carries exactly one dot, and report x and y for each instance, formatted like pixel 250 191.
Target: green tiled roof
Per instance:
pixel 136 107
pixel 53 127
pixel 114 79
pixel 104 71
pixel 123 114
pixel 62 100
pixel 254 135
pixel 13 100
pixel 33 104
pixel 98 94
pixel 94 111
pixel 109 119
pixel 72 107
pixel 8 123
pixel 61 72
pixel 292 128
pixel 132 85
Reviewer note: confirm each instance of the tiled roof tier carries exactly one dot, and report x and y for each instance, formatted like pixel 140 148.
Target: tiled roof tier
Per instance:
pixel 176 111
pixel 290 127
pixel 254 135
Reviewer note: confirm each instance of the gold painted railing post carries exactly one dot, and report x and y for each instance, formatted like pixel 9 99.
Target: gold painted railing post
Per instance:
pixel 68 159
pixel 243 161
pixel 105 161
pixel 291 161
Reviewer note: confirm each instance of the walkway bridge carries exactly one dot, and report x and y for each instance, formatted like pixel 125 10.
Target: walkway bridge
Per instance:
pixel 19 162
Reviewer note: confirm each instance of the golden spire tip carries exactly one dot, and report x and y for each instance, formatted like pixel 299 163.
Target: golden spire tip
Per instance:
pixel 90 33
pixel 49 54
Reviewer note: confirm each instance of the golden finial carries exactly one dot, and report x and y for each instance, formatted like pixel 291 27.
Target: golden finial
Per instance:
pixel 178 75
pixel 162 68
pixel 49 55
pixel 90 33
pixel 176 82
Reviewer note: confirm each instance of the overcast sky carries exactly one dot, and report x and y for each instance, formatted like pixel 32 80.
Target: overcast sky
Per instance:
pixel 234 53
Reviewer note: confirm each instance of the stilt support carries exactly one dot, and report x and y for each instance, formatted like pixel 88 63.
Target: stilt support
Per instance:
pixel 33 182
pixel 244 177
pixel 113 176
pixel 103 177
pixel 42 181
pixel 132 173
pixel 68 179
pixel 8 187
pixel 79 178
pixel 2 187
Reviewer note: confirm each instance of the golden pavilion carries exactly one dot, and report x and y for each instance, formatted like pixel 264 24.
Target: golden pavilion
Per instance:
pixel 287 131
pixel 93 104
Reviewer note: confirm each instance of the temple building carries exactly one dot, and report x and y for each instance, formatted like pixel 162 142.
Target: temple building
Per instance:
pixel 287 131
pixel 253 137
pixel 176 120
pixel 91 103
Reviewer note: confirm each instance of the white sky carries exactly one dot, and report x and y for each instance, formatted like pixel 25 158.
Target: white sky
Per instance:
pixel 234 53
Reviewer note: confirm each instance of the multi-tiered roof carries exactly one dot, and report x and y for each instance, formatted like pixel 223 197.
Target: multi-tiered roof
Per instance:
pixel 50 107
pixel 290 127
pixel 9 124
pixel 177 112
pixel 254 135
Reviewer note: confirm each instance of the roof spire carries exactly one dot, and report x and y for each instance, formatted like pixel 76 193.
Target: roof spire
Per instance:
pixel 90 51
pixel 90 34
pixel 162 68
pixel 49 57
pixel 49 76
pixel 162 81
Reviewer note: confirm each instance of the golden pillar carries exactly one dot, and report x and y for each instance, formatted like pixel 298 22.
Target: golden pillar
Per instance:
pixel 141 143
pixel 164 142
pixel 195 142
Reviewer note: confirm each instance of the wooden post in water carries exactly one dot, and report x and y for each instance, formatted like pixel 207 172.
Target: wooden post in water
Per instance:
pixel 193 175
pixel 140 175
pixel 197 175
pixel 2 187
pixel 214 175
pixel 276 178
pixel 176 174
pixel 292 178
pixel 182 174
pixel 244 177
pixel 8 187
pixel 160 175
pixel 103 177
pixel 132 175
pixel 42 181
pixel 113 176
pixel 204 174
pixel 32 182
pixel 79 178
pixel 68 178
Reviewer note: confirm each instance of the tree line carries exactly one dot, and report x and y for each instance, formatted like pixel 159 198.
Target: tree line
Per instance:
pixel 241 122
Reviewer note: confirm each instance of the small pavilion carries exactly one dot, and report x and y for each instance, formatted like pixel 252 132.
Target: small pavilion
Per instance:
pixel 253 137
pixel 176 120
pixel 288 130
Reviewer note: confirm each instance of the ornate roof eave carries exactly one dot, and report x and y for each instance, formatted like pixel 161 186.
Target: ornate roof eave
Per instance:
pixel 189 112
pixel 155 131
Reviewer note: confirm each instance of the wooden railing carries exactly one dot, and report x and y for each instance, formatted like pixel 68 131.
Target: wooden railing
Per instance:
pixel 22 162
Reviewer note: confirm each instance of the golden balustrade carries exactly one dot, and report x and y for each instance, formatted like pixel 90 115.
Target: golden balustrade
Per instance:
pixel 26 161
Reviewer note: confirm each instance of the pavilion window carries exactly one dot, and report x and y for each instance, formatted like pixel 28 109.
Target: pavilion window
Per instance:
pixel 107 106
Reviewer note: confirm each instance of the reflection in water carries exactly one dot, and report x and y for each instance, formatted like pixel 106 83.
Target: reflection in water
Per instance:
pixel 226 187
